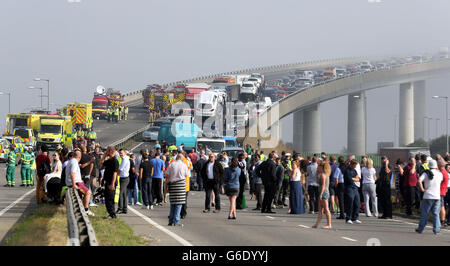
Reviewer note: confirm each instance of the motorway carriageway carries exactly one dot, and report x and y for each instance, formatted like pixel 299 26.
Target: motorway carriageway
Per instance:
pixel 253 228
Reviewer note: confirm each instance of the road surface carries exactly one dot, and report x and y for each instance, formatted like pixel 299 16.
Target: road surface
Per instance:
pixel 253 228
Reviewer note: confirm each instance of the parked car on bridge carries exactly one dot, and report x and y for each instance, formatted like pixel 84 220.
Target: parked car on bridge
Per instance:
pixel 151 134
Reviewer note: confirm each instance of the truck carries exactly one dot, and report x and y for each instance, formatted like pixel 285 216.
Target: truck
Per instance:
pixel 153 96
pixel 394 153
pixel 54 130
pixel 178 133
pixel 100 105
pixel 192 90
pixel 103 99
pixel 14 121
pixel 81 114
pixel 233 92
pixel 214 144
pixel 329 73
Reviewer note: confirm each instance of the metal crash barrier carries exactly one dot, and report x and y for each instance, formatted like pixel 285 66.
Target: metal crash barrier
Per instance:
pixel 80 229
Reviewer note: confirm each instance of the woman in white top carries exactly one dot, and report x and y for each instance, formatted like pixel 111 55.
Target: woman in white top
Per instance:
pixel 56 170
pixel 296 193
pixel 369 188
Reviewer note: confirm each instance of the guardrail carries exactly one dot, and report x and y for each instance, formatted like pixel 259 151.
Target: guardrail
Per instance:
pixel 264 70
pixel 80 229
pixel 129 138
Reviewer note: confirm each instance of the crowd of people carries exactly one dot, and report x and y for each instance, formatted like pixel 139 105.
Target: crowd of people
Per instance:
pixel 326 185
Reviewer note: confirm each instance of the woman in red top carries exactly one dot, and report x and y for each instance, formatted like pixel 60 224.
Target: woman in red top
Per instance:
pixel 40 159
pixel 444 183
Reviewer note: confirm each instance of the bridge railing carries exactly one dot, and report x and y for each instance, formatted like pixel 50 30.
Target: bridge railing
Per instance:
pixel 123 142
pixel 262 70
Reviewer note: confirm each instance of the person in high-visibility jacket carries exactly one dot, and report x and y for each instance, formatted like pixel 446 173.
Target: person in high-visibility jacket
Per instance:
pixel 116 115
pixel 187 185
pixel 32 168
pixel 11 170
pixel 109 114
pixel 126 113
pixel 92 135
pixel 25 169
pixel 263 156
pixel 173 148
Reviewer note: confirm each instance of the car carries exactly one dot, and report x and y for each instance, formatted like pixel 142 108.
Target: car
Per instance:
pixel 232 151
pixel 151 134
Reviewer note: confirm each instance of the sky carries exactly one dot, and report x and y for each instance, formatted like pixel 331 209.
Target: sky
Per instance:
pixel 127 44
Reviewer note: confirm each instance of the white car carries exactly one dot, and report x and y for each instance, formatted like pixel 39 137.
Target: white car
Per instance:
pixel 257 81
pixel 151 134
pixel 249 87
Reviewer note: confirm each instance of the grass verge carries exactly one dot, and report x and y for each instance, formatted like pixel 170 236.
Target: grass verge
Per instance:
pixel 113 232
pixel 45 226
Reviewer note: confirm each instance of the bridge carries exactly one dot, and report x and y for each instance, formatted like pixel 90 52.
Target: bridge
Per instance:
pixel 305 104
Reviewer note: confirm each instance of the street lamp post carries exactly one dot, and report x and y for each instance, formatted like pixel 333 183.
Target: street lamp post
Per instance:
pixel 34 88
pixel 9 100
pixel 424 122
pixel 446 117
pixel 437 134
pixel 429 128
pixel 48 90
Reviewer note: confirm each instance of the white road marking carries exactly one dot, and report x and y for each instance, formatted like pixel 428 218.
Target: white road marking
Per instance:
pixel 304 226
pixel 137 146
pixel 181 240
pixel 270 217
pixel 16 201
pixel 349 239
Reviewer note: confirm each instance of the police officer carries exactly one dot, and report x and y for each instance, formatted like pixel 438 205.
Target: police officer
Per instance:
pixel 11 169
pixel 116 114
pixel 287 165
pixel 109 114
pixel 25 169
pixel 32 168
pixel 92 135
pixel 126 113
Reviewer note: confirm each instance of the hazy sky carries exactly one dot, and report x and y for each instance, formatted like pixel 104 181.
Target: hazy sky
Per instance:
pixel 127 44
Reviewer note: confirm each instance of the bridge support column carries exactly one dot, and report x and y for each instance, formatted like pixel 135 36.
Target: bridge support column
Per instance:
pixel 419 109
pixel 406 114
pixel 297 136
pixel 356 125
pixel 312 137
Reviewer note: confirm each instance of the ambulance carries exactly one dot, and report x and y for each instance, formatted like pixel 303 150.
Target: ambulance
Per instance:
pixel 81 114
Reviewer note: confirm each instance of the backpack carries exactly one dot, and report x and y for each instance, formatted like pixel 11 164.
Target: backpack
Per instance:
pixel 44 168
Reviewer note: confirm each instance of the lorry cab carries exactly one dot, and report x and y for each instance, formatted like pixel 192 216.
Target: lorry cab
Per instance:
pixel 214 144
pixel 55 130
pixel 178 133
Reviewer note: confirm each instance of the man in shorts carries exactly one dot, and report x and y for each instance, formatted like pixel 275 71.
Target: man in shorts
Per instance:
pixel 73 179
